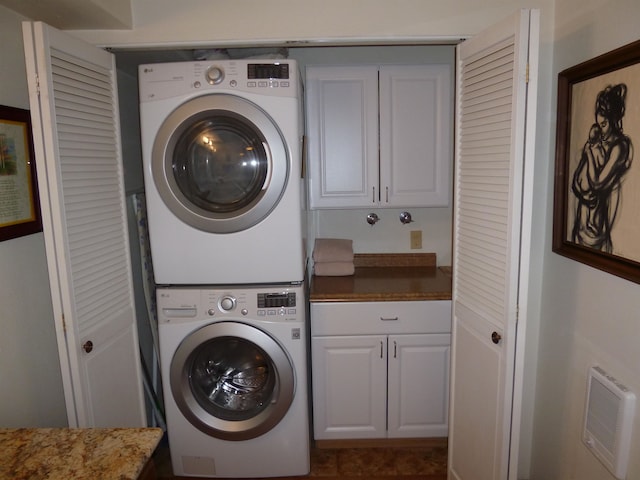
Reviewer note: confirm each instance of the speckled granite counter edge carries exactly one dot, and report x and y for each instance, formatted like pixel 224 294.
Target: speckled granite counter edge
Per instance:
pixel 74 453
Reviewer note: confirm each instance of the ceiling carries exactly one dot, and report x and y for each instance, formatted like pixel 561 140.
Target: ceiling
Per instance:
pixel 76 14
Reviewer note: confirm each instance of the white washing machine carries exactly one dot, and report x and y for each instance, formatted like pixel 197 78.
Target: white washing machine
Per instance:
pixel 234 372
pixel 222 155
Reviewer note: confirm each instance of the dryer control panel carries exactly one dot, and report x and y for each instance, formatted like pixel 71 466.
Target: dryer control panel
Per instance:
pixel 267 71
pixel 278 78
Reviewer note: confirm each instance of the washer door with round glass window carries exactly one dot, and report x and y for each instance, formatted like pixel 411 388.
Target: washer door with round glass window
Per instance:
pixel 232 381
pixel 220 163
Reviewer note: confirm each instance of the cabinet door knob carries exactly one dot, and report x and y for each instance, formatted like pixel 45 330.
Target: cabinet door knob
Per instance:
pixel 87 346
pixel 496 337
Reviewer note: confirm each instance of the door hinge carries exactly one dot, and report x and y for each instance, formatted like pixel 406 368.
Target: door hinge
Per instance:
pixel 527 74
pixel 64 324
pixel 37 84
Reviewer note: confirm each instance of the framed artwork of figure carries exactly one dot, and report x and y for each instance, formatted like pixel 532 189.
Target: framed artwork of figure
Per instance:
pixel 597 181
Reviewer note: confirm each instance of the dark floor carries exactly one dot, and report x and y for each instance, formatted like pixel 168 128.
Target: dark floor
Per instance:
pixel 384 463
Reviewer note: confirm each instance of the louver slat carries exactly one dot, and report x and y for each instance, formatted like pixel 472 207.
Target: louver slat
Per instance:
pixel 484 173
pixel 92 194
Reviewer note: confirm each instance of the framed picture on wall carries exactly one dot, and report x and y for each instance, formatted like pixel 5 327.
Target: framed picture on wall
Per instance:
pixel 596 215
pixel 19 205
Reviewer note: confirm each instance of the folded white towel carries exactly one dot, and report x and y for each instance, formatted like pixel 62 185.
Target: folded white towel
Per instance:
pixel 333 250
pixel 334 269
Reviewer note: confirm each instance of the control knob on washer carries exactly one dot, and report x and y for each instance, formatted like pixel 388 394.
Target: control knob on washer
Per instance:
pixel 227 303
pixel 214 75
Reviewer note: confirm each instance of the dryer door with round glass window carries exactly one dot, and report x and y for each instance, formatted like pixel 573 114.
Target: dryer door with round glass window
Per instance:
pixel 220 163
pixel 232 381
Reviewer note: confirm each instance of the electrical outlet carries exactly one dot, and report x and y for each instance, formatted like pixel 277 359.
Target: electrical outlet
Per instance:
pixel 416 239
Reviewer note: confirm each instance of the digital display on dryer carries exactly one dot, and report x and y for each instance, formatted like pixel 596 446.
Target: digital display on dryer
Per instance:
pixel 275 300
pixel 268 70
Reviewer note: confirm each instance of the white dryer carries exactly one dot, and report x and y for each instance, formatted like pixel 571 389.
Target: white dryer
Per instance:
pixel 234 372
pixel 222 154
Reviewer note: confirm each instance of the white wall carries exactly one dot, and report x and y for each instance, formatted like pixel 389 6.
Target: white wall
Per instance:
pixel 588 316
pixel 195 22
pixel 30 381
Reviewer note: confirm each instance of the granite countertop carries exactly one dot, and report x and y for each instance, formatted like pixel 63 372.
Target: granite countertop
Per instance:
pixel 73 453
pixel 386 277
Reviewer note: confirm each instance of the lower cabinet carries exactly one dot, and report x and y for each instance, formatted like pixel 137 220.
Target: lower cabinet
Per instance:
pixel 380 369
pixel 349 386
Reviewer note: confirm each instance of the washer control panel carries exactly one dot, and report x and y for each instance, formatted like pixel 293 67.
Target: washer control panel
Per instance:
pixel 277 299
pixel 269 303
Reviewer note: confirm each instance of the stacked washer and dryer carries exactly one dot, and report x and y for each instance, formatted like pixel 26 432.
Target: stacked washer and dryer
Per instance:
pixel 222 154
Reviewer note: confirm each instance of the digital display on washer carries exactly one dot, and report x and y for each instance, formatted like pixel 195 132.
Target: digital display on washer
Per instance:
pixel 268 70
pixel 275 300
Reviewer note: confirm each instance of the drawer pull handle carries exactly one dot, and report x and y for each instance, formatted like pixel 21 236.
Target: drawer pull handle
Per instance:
pixel 389 319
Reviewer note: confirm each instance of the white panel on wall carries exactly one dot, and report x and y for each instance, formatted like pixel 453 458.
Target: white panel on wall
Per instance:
pixel 608 421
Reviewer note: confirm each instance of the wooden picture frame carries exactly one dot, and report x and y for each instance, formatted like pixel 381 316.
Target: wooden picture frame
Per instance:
pixel 19 203
pixel 596 217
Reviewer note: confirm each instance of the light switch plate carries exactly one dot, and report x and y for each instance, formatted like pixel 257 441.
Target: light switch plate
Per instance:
pixel 416 239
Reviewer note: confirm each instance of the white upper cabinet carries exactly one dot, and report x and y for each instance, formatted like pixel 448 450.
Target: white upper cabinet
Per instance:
pixel 379 136
pixel 415 135
pixel 342 136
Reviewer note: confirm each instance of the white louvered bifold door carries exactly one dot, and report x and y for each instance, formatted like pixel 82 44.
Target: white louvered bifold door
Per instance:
pixel 73 98
pixel 490 161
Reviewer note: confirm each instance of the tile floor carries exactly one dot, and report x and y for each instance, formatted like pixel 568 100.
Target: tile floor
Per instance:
pixel 402 463
pixel 407 462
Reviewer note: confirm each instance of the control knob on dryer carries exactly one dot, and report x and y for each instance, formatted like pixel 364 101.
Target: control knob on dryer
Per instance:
pixel 214 75
pixel 227 303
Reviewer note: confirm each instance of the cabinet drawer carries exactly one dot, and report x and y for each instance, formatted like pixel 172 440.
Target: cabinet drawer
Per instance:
pixel 369 318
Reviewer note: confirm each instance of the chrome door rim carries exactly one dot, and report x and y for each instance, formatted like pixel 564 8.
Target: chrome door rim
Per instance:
pixel 162 160
pixel 232 429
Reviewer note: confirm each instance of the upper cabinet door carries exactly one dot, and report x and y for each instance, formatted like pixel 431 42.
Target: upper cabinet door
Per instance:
pixel 379 136
pixel 73 97
pixel 342 123
pixel 415 135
